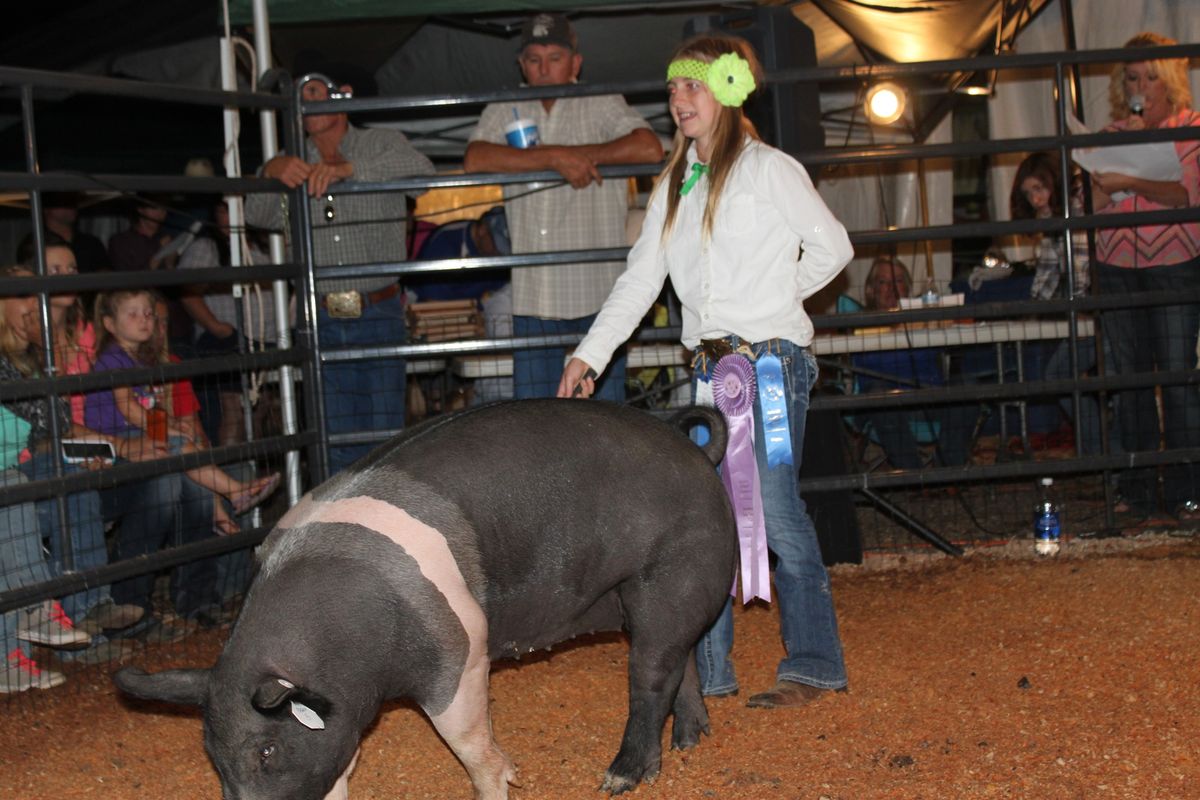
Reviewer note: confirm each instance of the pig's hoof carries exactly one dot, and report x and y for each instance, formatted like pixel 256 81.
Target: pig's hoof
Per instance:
pixel 617 781
pixel 687 736
pixel 691 720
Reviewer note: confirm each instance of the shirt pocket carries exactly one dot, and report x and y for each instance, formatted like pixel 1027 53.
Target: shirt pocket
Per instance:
pixel 735 216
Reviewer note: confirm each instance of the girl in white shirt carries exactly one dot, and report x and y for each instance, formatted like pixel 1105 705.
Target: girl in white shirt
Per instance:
pixel 745 238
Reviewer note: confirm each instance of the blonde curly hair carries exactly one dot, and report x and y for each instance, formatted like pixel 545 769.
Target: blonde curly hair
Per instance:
pixel 1172 71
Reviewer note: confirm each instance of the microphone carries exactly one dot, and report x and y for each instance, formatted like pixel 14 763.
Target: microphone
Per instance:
pixel 1137 104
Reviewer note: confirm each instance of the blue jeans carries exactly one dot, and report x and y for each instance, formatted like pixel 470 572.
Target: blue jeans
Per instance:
pixel 85 526
pixel 806 616
pixel 362 395
pixel 1089 428
pixel 22 561
pixel 1143 340
pixel 162 511
pixel 536 372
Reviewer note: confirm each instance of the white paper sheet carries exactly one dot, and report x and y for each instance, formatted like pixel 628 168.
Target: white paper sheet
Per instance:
pixel 1154 161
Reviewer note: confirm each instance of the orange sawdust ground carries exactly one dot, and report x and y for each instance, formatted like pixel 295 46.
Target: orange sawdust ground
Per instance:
pixel 995 675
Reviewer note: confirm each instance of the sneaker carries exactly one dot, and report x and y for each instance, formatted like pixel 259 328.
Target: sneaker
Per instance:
pixel 22 673
pixel 109 616
pixel 154 630
pixel 47 624
pixel 107 652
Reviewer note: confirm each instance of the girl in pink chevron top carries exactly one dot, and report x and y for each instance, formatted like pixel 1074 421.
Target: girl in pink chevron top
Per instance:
pixel 1147 95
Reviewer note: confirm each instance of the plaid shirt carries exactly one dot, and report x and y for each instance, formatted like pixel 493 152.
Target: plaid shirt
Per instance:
pixel 366 228
pixel 564 218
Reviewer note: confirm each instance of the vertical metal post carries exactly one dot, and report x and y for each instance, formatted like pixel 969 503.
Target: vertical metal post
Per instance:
pixel 283 332
pixel 300 219
pixel 1067 12
pixel 1064 189
pixel 29 130
pixel 1001 405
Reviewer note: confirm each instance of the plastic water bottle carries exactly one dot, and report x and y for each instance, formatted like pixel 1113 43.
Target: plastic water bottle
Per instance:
pixel 1047 528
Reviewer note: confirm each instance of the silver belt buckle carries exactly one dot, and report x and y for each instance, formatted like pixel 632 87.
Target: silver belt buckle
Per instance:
pixel 344 305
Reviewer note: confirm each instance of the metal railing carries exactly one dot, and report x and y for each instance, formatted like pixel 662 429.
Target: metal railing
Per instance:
pixel 308 355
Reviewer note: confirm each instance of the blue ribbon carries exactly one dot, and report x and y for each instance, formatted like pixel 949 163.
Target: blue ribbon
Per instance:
pixel 773 404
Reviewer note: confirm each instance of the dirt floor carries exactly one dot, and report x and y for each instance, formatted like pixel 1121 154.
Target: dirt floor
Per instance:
pixel 992 676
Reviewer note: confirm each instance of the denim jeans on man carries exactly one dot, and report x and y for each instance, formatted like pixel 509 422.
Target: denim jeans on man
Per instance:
pixel 536 372
pixel 362 395
pixel 1142 340
pixel 85 526
pixel 801 584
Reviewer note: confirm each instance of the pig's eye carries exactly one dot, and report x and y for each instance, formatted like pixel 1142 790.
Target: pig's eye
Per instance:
pixel 266 751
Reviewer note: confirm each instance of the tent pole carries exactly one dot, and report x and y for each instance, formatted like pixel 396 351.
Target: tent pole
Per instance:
pixel 270 147
pixel 922 193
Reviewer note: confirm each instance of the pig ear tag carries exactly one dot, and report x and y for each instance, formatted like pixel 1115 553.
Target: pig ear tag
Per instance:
pixel 307 717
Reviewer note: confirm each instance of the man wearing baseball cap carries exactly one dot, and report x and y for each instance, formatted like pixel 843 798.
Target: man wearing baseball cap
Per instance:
pixel 575 135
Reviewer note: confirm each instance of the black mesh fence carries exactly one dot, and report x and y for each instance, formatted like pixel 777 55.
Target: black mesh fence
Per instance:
pixel 933 422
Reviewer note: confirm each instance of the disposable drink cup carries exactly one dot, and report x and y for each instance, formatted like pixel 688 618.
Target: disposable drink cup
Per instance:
pixel 522 133
pixel 156 424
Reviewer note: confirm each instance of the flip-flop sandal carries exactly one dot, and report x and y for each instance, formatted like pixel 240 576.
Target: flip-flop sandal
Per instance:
pixel 250 499
pixel 225 527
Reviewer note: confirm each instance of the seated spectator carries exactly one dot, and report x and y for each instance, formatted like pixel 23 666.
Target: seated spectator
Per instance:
pixel 60 212
pixel 230 572
pixel 19 329
pixel 184 411
pixel 491 288
pixel 22 563
pixel 148 244
pixel 950 427
pixel 224 329
pixel 126 320
pixel 1036 194
pixel 146 513
pixel 464 238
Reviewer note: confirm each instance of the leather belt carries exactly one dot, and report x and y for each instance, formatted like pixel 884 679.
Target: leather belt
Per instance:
pixel 367 298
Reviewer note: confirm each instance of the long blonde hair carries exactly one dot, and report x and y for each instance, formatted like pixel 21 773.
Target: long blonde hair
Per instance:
pixel 22 354
pixel 733 126
pixel 1171 71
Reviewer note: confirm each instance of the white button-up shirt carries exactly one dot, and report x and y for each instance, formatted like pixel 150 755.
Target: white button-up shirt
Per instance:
pixel 749 278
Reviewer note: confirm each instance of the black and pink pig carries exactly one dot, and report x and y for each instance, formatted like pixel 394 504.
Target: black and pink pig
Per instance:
pixel 489 533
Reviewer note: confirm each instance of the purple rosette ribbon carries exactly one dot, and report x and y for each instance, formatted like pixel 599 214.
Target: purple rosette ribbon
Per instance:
pixel 733 394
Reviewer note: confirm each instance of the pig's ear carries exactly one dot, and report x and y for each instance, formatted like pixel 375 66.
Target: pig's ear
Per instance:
pixel 271 692
pixel 307 708
pixel 182 686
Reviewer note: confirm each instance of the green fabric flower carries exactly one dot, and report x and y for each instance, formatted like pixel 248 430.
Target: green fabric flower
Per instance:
pixel 730 80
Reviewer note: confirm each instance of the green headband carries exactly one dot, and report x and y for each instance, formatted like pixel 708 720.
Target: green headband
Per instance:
pixel 728 77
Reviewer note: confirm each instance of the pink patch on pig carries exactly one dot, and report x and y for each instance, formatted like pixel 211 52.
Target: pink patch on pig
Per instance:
pixel 464 724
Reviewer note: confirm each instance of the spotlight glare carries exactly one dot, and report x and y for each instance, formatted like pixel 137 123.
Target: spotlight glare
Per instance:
pixel 885 103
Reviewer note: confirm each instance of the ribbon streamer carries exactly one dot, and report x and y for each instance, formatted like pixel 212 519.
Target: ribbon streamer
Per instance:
pixel 698 169
pixel 773 403
pixel 733 393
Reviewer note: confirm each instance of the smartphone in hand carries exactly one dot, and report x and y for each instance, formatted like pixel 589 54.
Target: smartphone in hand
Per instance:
pixel 80 451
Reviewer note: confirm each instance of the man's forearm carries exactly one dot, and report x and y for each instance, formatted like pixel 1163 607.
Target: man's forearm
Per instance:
pixel 637 147
pixel 489 157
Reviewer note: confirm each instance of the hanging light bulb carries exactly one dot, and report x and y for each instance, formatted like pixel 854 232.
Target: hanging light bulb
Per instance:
pixel 885 103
